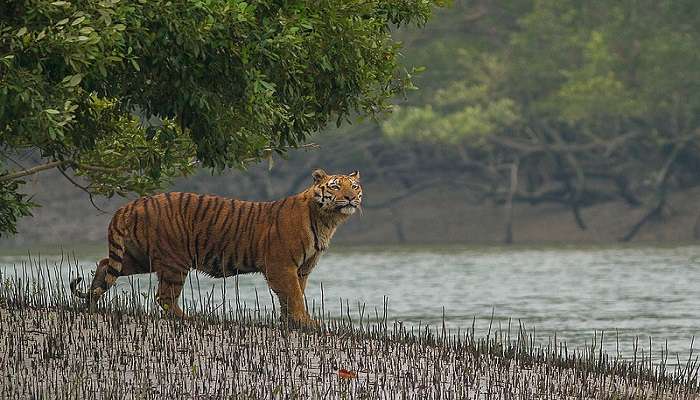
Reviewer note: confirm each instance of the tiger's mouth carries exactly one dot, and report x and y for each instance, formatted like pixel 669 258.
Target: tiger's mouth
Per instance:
pixel 347 209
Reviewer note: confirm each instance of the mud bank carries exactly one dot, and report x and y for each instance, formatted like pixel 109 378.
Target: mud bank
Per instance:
pixel 51 350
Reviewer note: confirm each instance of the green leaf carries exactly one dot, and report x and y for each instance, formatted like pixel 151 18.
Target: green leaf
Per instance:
pixel 21 31
pixel 52 111
pixel 268 85
pixel 74 80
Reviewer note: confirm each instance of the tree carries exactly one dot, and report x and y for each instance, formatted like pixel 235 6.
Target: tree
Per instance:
pixel 127 95
pixel 591 101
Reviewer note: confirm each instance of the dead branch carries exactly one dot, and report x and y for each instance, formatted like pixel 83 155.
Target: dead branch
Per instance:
pixel 661 189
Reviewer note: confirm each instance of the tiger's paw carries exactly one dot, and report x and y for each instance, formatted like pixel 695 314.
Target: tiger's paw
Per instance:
pixel 302 322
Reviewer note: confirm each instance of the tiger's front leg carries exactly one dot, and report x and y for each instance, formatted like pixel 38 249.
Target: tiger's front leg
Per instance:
pixel 286 285
pixel 305 270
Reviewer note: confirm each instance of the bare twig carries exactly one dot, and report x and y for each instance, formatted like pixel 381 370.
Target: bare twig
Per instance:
pixel 13 160
pixel 83 188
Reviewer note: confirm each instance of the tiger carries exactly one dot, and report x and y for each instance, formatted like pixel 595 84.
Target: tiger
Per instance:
pixel 172 233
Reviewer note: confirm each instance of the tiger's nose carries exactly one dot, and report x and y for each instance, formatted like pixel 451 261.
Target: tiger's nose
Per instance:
pixel 348 198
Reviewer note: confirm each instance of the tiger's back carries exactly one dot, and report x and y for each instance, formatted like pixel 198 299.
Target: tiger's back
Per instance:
pixel 186 230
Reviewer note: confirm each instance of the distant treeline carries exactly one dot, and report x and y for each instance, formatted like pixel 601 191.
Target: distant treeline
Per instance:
pixel 568 102
pixel 528 101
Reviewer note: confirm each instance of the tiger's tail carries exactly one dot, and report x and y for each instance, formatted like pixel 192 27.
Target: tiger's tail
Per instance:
pixel 99 276
pixel 74 289
pixel 116 240
pixel 108 269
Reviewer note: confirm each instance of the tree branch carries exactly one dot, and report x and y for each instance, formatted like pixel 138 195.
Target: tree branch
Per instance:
pixel 83 188
pixel 33 170
pixel 95 168
pixel 527 148
pixel 13 160
pixel 54 164
pixel 579 184
pixel 661 190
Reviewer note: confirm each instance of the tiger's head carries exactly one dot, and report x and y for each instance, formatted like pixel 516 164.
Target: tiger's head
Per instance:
pixel 337 193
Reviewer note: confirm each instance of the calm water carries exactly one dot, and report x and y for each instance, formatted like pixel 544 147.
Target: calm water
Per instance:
pixel 630 293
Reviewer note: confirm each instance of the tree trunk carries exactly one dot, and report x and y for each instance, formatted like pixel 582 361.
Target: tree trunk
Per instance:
pixel 398 226
pixel 661 192
pixel 509 202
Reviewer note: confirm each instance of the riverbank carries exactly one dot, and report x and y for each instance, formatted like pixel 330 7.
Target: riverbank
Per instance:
pixel 442 214
pixel 62 354
pixel 53 351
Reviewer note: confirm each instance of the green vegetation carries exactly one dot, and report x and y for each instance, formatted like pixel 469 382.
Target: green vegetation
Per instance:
pixel 127 95
pixel 563 101
pixel 534 101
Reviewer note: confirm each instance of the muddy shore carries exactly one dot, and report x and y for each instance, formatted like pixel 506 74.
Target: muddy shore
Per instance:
pixel 60 353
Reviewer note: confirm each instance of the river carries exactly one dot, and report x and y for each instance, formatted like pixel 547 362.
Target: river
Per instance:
pixel 631 294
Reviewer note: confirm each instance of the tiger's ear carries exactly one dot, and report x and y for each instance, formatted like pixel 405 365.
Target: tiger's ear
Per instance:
pixel 318 175
pixel 355 175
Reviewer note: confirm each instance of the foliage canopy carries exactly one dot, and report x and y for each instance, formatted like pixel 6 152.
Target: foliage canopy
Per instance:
pixel 590 100
pixel 129 94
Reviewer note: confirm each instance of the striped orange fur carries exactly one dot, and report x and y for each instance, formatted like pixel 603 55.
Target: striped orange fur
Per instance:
pixel 172 233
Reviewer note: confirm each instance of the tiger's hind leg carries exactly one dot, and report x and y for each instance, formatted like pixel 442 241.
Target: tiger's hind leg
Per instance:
pixel 170 283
